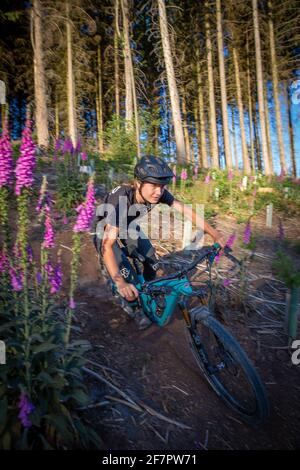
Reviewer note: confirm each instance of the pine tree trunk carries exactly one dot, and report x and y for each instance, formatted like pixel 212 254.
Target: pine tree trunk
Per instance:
pixel 276 90
pixel 202 129
pixel 100 102
pixel 72 127
pixel 198 136
pixel 131 105
pixel 212 106
pixel 250 112
pixel 227 148
pixel 127 72
pixel 56 117
pixel 256 140
pixel 260 91
pixel 246 163
pixel 185 127
pixel 116 60
pixel 290 128
pixel 268 127
pixel 41 110
pixel 234 139
pixel 173 91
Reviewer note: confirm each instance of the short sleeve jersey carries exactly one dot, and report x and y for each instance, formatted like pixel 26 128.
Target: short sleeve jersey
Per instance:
pixel 124 207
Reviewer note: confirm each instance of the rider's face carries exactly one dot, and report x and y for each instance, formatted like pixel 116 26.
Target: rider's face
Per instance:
pixel 152 192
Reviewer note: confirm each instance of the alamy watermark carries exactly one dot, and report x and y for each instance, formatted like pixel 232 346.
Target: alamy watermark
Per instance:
pixel 2 353
pixel 296 354
pixel 164 224
pixel 295 86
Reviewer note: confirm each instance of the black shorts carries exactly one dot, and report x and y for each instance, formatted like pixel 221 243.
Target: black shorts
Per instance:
pixel 143 246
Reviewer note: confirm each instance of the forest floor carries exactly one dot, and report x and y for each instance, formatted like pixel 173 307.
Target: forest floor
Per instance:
pixel 152 394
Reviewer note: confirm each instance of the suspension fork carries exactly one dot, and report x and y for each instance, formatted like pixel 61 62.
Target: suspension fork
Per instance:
pixel 185 313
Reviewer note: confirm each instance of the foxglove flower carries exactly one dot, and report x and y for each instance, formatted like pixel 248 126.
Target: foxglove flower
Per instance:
pixel 72 304
pixel 26 162
pixel 57 145
pixel 49 233
pixel 6 162
pixel 78 146
pixel 230 175
pixel 226 282
pixel 68 146
pixel 16 281
pixel 207 179
pixel 25 408
pixel 247 234
pixel 231 241
pixel 39 277
pixel 65 220
pixel 86 210
pixel 83 156
pixel 184 175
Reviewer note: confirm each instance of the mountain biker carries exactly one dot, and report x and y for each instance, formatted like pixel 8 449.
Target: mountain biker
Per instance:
pixel 152 175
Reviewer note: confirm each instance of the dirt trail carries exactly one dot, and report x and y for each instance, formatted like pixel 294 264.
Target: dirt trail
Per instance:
pixel 156 367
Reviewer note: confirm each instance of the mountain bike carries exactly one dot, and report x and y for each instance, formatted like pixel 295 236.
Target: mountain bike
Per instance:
pixel 218 354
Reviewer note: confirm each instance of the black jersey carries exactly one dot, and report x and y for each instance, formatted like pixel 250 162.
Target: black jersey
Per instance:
pixel 120 206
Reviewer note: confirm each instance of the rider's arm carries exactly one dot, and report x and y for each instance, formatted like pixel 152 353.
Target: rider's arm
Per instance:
pixel 127 290
pixel 198 221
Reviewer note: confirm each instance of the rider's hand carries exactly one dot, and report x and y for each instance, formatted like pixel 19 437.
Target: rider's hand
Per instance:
pixel 129 291
pixel 219 238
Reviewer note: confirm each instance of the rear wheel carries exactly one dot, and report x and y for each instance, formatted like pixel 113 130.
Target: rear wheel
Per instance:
pixel 227 367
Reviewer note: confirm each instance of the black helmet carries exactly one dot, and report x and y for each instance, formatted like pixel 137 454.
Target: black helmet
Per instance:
pixel 153 170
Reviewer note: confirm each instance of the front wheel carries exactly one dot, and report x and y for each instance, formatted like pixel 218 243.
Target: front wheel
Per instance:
pixel 227 367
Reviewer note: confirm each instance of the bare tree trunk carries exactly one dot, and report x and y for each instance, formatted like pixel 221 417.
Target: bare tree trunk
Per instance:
pixel 260 91
pixel 201 116
pixel 287 95
pixel 72 127
pixel 130 75
pixel 268 127
pixel 185 127
pixel 173 91
pixel 41 110
pixel 116 59
pixel 256 140
pixel 250 113
pixel 212 106
pixel 197 127
pixel 228 156
pixel 127 56
pixel 234 139
pixel 276 90
pixel 100 102
pixel 56 117
pixel 246 162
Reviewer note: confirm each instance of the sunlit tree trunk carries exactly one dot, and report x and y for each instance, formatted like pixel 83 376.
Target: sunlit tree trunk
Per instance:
pixel 260 91
pixel 116 60
pixel 173 91
pixel 250 112
pixel 41 110
pixel 99 101
pixel 72 127
pixel 56 116
pixel 276 90
pixel 131 105
pixel 212 106
pixel 246 163
pixel 185 127
pixel 227 148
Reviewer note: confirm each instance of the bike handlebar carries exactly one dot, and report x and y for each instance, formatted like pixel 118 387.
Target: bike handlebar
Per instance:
pixel 210 253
